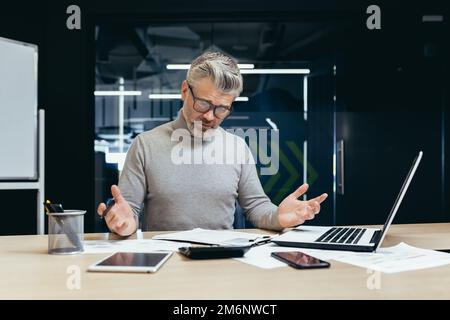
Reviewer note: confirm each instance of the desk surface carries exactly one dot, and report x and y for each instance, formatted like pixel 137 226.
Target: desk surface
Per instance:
pixel 28 272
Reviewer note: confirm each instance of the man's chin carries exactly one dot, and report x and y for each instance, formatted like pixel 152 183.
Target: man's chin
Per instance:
pixel 200 130
pixel 206 134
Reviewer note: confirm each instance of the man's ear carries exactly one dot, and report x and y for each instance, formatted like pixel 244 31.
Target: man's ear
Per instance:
pixel 184 90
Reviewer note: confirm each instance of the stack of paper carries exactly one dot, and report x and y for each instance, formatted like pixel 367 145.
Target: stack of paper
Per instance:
pixel 217 237
pixel 401 257
pixel 107 246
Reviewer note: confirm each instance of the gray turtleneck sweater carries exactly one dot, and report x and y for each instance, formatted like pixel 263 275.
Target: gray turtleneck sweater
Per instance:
pixel 179 194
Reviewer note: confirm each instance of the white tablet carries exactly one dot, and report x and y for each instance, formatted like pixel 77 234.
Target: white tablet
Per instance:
pixel 131 262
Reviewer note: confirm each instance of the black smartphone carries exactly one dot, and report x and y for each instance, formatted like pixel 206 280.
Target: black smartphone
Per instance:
pixel 214 252
pixel 300 260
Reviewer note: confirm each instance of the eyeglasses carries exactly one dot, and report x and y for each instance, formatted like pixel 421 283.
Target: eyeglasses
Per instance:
pixel 203 106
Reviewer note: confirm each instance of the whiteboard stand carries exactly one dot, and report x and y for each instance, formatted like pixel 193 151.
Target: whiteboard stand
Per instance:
pixel 40 183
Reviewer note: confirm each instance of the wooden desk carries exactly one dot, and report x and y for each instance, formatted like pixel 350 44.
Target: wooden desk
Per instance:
pixel 28 272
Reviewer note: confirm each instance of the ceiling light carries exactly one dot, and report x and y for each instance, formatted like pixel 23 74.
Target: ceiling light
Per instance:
pixel 164 96
pixel 117 93
pixel 275 71
pixel 168 96
pixel 187 66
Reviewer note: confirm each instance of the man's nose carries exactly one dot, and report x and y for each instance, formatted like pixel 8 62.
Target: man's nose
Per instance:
pixel 209 115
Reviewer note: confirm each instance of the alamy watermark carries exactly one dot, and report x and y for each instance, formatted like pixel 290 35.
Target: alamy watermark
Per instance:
pixel 73 22
pixel 73 281
pixel 373 22
pixel 374 280
pixel 219 146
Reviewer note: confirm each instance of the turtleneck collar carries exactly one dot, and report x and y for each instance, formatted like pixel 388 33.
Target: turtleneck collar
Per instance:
pixel 180 121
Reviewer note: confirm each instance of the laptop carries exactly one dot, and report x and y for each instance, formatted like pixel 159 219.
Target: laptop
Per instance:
pixel 346 238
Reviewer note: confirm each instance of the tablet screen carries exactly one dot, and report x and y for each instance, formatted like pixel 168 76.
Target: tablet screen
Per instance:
pixel 133 259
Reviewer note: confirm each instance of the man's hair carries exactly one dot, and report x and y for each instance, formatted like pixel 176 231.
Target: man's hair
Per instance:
pixel 221 69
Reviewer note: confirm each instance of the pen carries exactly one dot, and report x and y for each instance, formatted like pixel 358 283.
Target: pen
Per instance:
pixel 256 242
pixel 52 208
pixel 66 228
pixel 109 204
pixel 263 237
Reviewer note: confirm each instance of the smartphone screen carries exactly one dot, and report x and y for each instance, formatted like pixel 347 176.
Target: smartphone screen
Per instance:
pixel 301 260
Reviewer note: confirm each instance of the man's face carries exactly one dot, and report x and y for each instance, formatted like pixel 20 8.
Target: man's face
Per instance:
pixel 204 89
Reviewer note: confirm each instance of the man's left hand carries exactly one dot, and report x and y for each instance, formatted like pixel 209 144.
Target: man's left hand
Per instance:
pixel 292 212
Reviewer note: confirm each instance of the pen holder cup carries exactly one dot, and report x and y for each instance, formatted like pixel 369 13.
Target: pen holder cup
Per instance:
pixel 65 232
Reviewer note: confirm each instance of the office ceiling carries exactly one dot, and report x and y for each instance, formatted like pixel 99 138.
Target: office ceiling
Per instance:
pixel 140 54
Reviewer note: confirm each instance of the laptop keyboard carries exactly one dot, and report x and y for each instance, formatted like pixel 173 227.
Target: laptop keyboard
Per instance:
pixel 342 235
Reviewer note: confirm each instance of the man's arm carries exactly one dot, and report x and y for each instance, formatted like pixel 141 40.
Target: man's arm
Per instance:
pixel 132 180
pixel 257 206
pixel 123 218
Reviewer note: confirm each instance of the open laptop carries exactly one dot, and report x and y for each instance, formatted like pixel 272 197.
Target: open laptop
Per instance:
pixel 346 238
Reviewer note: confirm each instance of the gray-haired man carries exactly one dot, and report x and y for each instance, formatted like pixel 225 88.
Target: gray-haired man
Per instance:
pixel 184 196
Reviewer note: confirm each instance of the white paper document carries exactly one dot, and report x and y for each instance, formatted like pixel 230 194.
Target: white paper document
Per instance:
pixel 260 256
pixel 143 245
pixel 217 237
pixel 401 257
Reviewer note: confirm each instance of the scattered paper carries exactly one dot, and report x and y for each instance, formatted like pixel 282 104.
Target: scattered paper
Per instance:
pixel 217 237
pixel 399 258
pixel 144 245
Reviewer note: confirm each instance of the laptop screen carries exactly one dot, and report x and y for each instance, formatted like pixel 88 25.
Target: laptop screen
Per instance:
pixel 400 196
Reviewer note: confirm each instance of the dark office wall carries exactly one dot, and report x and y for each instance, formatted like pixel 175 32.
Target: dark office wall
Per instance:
pixel 321 89
pixel 391 91
pixel 19 207
pixel 445 157
pixel 66 81
pixel 65 77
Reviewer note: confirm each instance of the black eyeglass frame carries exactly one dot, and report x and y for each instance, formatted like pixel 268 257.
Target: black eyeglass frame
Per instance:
pixel 211 106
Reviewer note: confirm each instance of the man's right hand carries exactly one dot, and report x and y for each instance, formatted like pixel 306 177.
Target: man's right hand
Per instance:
pixel 120 218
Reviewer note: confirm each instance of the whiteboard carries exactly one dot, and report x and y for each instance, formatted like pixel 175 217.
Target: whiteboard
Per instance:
pixel 18 110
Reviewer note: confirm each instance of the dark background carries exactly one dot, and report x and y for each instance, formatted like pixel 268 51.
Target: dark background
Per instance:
pixel 390 94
